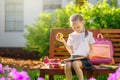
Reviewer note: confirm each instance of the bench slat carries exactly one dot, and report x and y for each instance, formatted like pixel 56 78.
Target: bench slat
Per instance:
pixel 116 45
pixel 61 53
pixel 117 49
pixel 112 36
pixel 117 60
pixel 115 40
pixel 117 54
pixel 110 30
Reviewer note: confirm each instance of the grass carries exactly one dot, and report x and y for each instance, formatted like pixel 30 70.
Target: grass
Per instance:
pixel 59 77
pixel 34 74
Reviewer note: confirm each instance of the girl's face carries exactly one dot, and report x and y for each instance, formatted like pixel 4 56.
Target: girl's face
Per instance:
pixel 78 26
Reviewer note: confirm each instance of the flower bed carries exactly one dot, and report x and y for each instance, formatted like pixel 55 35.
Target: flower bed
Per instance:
pixel 8 73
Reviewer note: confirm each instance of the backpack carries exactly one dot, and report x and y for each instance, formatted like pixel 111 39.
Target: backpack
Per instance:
pixel 102 51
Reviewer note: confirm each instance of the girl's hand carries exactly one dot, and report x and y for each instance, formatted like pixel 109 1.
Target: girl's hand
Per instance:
pixel 59 37
pixel 90 54
pixel 87 56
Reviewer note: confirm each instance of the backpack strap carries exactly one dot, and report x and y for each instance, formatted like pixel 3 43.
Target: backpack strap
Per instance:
pixel 99 35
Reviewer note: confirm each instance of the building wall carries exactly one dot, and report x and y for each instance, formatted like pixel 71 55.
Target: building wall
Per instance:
pixel 32 9
pixel 118 3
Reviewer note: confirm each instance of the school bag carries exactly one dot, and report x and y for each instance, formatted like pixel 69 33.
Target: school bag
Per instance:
pixel 102 51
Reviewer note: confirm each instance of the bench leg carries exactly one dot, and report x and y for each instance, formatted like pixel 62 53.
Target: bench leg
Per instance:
pixel 89 74
pixel 51 77
pixel 95 74
pixel 42 73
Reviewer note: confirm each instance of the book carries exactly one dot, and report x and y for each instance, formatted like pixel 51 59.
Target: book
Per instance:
pixel 109 66
pixel 72 59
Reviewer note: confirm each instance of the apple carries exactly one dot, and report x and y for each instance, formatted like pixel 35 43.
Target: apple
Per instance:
pixel 46 59
pixel 59 36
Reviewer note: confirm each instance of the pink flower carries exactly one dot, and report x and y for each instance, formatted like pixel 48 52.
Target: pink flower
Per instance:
pixel 1 69
pixel 40 79
pixel 2 78
pixel 91 79
pixel 16 75
pixel 115 76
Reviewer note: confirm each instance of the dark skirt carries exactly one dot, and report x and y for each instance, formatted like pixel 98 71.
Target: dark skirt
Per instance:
pixel 85 62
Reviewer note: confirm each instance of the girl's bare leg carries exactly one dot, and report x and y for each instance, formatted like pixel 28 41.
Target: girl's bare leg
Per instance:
pixel 68 71
pixel 77 67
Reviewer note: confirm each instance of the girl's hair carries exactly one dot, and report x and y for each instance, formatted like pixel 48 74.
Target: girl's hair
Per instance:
pixel 76 17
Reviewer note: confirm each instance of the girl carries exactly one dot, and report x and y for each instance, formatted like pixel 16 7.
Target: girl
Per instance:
pixel 78 44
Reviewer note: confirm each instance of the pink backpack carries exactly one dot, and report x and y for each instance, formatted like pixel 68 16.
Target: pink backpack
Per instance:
pixel 102 51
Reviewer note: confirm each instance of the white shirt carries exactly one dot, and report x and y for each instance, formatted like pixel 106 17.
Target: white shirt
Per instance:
pixel 80 43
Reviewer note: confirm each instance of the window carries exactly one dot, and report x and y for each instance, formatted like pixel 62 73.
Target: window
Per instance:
pixel 14 16
pixel 51 5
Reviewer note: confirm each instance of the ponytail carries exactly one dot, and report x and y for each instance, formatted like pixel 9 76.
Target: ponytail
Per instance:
pixel 86 32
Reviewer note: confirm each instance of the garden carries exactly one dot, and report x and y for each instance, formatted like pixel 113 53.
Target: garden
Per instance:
pixel 99 16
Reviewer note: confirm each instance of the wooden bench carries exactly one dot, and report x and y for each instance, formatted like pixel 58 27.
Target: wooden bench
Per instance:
pixel 57 50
